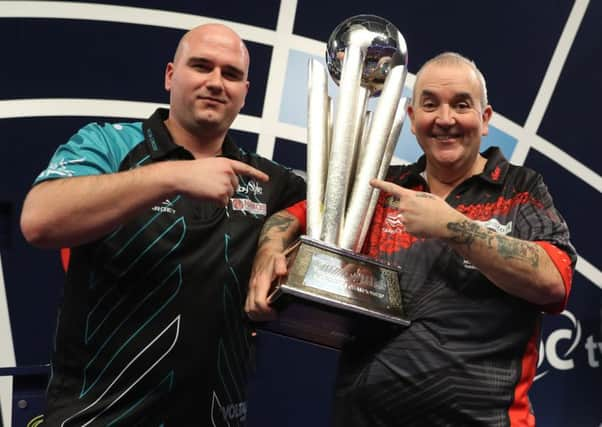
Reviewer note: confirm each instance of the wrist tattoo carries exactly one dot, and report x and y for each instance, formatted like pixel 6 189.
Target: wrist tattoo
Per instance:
pixel 467 232
pixel 423 195
pixel 280 222
pixel 275 225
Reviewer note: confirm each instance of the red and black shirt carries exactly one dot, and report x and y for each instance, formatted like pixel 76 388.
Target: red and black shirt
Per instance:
pixel 470 354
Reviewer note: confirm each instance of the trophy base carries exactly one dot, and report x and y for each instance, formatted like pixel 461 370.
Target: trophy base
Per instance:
pixel 332 296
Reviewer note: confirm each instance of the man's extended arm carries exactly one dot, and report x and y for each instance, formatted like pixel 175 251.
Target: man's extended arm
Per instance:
pixel 71 211
pixel 278 232
pixel 519 267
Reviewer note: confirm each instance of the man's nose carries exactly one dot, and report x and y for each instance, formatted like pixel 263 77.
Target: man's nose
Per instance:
pixel 215 80
pixel 445 115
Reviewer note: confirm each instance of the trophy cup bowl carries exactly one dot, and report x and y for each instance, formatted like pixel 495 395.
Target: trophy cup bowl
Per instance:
pixel 332 293
pixel 386 49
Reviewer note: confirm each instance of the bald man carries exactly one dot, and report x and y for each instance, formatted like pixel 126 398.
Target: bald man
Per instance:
pixel 162 218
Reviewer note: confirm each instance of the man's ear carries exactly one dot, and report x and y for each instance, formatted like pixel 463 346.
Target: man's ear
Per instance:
pixel 247 84
pixel 168 76
pixel 486 117
pixel 411 115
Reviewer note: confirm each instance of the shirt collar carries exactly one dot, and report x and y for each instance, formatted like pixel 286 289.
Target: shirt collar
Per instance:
pixel 160 144
pixel 494 172
pixel 496 167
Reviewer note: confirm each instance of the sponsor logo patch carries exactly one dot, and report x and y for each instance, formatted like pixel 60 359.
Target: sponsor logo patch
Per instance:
pixel 251 188
pixel 248 206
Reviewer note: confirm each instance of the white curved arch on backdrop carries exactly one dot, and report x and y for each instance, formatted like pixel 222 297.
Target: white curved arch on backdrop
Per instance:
pixel 268 127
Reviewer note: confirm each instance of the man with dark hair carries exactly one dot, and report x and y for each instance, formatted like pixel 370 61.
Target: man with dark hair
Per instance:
pixel 162 218
pixel 481 251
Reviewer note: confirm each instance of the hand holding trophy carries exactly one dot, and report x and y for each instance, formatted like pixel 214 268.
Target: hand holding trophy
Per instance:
pixel 331 291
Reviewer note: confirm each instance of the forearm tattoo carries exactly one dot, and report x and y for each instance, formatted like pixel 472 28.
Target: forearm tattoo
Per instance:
pixel 467 232
pixel 275 224
pixel 513 248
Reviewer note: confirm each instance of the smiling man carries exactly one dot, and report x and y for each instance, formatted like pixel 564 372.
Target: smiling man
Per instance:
pixel 162 229
pixel 482 252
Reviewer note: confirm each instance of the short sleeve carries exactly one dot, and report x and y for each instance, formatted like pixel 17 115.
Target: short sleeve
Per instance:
pixel 540 221
pixel 95 149
pixel 292 189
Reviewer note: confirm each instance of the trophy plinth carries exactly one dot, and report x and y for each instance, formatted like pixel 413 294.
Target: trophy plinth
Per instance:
pixel 331 295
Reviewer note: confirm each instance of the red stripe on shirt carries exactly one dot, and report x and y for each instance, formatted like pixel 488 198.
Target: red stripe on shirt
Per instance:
pixel 520 412
pixel 563 263
pixel 65 256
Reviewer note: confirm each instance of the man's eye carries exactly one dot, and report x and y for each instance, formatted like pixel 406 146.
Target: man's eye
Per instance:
pixel 462 106
pixel 232 76
pixel 429 105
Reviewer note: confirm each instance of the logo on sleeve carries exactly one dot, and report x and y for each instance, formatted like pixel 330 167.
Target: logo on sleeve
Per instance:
pixel 61 168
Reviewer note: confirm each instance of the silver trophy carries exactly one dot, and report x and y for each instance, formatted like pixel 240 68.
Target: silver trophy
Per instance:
pixel 331 291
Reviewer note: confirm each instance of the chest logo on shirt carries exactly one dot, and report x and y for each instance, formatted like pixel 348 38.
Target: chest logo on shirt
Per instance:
pixel 166 206
pixel 252 187
pixel 249 190
pixel 248 206
pixel 393 223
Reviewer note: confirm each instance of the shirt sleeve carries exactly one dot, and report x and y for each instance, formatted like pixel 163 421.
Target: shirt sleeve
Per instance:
pixel 564 265
pixel 299 211
pixel 540 222
pixel 291 189
pixel 91 151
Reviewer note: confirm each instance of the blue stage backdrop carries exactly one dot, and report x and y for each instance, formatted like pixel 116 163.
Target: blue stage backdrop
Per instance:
pixel 68 63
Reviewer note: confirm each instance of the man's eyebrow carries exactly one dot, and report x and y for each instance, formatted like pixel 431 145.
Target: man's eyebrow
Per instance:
pixel 198 59
pixel 463 95
pixel 425 93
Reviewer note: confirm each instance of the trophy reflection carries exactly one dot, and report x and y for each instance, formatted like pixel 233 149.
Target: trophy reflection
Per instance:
pixel 331 292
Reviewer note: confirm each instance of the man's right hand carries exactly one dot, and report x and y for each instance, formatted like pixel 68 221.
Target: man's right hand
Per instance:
pixel 278 232
pixel 214 178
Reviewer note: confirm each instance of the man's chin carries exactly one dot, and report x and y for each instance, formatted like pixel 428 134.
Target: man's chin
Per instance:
pixel 211 123
pixel 447 156
pixel 209 120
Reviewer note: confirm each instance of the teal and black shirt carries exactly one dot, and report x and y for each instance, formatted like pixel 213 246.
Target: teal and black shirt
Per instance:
pixel 151 329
